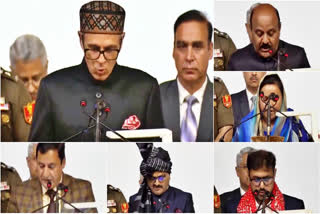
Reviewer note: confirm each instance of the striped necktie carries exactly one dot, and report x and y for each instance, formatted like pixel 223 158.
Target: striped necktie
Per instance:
pixel 189 123
pixel 253 102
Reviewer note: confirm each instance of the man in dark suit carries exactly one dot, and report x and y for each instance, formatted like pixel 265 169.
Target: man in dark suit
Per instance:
pixel 244 101
pixel 187 100
pixel 155 194
pixel 263 193
pixel 266 48
pixel 230 200
pixel 125 98
pixel 34 195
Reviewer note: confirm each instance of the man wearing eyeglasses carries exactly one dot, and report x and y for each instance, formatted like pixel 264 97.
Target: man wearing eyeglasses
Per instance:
pixel 264 194
pixel 69 99
pixel 155 194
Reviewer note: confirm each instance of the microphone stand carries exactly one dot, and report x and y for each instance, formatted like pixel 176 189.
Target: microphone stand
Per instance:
pixel 278 61
pixel 222 138
pixel 78 133
pixel 98 133
pixel 55 201
pixel 268 120
pixel 107 127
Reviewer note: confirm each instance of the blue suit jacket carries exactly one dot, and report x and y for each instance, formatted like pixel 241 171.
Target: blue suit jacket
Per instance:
pixel 174 201
pixel 230 201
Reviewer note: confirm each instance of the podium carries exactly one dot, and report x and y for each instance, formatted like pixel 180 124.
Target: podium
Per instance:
pixel 264 139
pixel 165 135
pixel 81 205
pixel 296 211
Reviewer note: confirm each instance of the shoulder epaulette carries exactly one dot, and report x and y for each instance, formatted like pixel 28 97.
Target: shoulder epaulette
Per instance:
pixel 7 75
pixel 113 188
pixel 5 166
pixel 221 34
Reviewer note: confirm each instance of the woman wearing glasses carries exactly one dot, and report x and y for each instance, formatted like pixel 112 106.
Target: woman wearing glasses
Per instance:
pixel 262 122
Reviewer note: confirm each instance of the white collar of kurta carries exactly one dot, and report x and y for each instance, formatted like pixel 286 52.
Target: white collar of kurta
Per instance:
pixel 242 192
pixel 183 93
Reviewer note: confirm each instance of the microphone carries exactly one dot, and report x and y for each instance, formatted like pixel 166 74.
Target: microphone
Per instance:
pixel 107 109
pixel 281 52
pixel 100 107
pixel 237 125
pixel 49 185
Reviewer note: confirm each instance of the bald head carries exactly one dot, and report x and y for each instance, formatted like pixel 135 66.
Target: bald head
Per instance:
pixel 264 11
pixel 264 29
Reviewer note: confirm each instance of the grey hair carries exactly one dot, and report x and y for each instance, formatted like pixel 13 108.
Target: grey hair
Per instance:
pixel 30 148
pixel 27 47
pixel 242 152
pixel 249 12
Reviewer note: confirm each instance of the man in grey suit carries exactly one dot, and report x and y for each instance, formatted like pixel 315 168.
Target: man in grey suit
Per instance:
pixel 244 101
pixel 187 100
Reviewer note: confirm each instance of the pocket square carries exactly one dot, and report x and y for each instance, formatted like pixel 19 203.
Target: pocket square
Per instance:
pixel 131 123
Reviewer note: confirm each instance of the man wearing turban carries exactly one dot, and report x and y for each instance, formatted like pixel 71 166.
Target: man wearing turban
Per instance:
pixel 155 193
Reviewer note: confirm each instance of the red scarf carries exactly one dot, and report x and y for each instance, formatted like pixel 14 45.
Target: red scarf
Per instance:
pixel 247 203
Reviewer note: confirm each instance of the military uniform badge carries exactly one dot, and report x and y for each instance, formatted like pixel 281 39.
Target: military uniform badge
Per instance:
pixel 28 112
pixel 124 207
pixel 216 201
pixel 226 99
pixel 218 59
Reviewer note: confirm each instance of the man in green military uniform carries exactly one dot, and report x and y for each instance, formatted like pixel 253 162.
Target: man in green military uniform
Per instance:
pixel 16 111
pixel 223 114
pixel 223 48
pixel 117 203
pixel 9 179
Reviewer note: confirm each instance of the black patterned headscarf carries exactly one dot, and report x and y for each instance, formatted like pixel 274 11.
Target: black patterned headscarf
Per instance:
pixel 155 159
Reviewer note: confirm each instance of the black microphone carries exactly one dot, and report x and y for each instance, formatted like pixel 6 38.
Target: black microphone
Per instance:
pixel 107 109
pixel 281 52
pixel 100 108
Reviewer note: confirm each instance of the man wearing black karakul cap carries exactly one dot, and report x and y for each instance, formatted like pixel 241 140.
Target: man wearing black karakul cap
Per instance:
pixel 127 98
pixel 155 194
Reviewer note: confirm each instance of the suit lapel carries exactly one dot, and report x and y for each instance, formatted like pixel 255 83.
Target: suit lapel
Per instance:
pixel 245 108
pixel 205 129
pixel 174 110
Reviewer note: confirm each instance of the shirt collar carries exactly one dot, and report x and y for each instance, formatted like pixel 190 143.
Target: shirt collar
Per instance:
pixel 249 94
pixel 183 93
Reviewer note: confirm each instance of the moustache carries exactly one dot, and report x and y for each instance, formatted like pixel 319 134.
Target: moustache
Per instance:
pixel 265 46
pixel 157 186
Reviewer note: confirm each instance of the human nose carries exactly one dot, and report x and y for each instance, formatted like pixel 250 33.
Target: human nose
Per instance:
pixel 101 58
pixel 157 182
pixel 31 86
pixel 45 172
pixel 190 54
pixel 265 39
pixel 262 184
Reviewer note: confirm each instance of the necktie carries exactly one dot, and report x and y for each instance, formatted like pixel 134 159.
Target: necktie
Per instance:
pixel 189 124
pixel 52 205
pixel 253 102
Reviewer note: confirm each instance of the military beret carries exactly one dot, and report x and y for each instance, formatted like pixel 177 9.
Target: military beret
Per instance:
pixel 102 17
